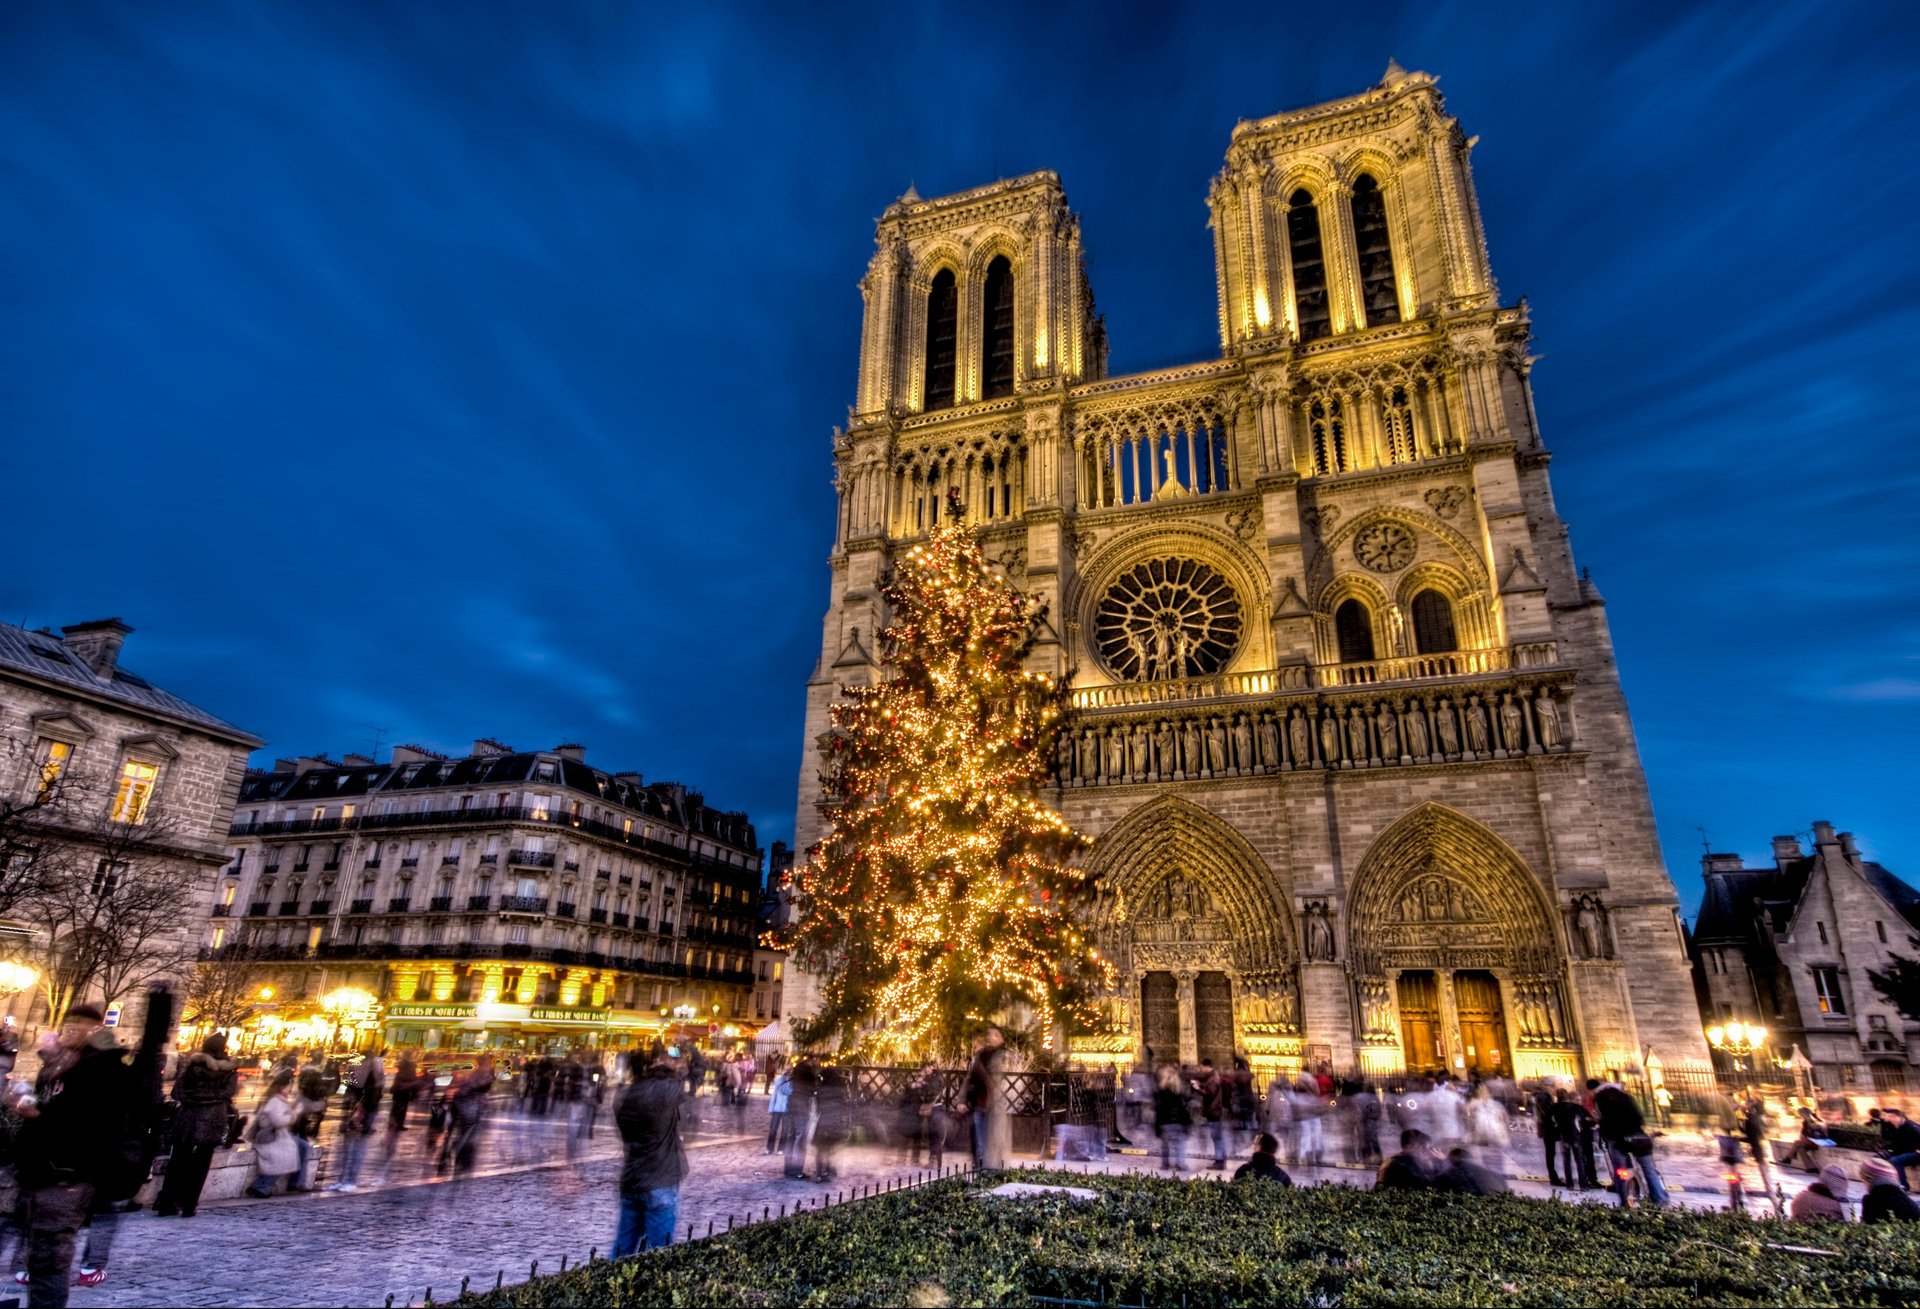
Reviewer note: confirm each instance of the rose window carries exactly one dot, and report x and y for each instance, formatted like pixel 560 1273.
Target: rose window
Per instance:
pixel 1168 618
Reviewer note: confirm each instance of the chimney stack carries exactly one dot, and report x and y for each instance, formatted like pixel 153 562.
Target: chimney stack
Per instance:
pixel 97 644
pixel 486 748
pixel 1849 847
pixel 1786 849
pixel 355 761
pixel 1823 834
pixel 572 750
pixel 1720 863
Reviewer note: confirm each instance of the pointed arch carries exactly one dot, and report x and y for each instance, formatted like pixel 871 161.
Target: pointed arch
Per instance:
pixel 1437 885
pixel 1172 835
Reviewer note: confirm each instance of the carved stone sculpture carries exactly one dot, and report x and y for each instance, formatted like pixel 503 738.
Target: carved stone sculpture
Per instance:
pixel 1269 742
pixel 1443 723
pixel 1168 747
pixel 1330 741
pixel 1139 753
pixel 1318 931
pixel 1417 730
pixel 1512 730
pixel 1476 726
pixel 1590 927
pixel 1356 735
pixel 1388 729
pixel 1546 712
pixel 1190 747
pixel 1243 760
pixel 1115 765
pixel 1216 747
pixel 1300 737
pixel 1089 755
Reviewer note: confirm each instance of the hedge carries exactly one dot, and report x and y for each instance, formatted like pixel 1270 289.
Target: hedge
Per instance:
pixel 1162 1242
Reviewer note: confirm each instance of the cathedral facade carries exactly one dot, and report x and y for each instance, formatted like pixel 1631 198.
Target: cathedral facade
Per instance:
pixel 1347 725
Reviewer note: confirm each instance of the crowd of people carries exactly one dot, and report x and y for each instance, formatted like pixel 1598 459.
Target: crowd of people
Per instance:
pixel 83 1137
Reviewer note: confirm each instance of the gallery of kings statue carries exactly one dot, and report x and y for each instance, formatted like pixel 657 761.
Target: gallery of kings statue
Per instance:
pixel 1347 727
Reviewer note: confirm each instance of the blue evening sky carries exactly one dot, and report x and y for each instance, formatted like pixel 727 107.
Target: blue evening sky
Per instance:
pixel 459 369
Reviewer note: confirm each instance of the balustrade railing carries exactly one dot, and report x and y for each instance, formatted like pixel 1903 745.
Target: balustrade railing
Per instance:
pixel 1215 687
pixel 1414 668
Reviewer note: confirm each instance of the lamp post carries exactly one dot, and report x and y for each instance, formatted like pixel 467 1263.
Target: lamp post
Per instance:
pixel 1739 1041
pixel 348 1004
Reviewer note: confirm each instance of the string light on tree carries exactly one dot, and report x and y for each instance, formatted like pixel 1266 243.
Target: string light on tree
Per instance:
pixel 943 891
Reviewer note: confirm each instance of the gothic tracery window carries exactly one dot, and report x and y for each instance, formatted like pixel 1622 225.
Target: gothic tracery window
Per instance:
pixel 1353 631
pixel 1328 431
pixel 1309 267
pixel 997 336
pixel 1397 426
pixel 1433 623
pixel 1378 294
pixel 1168 619
pixel 943 333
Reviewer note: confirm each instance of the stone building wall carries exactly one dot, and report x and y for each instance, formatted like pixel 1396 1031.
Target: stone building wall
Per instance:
pixel 1243 560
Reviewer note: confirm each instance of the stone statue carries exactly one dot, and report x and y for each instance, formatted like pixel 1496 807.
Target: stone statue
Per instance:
pixel 1547 712
pixel 1589 929
pixel 1269 742
pixel 1376 1011
pixel 1163 653
pixel 1476 725
pixel 1319 932
pixel 1286 1003
pixel 1243 760
pixel 1190 747
pixel 1512 730
pixel 1443 721
pixel 1116 756
pixel 1388 728
pixel 1417 730
pixel 1300 737
pixel 1181 894
pixel 1138 644
pixel 1139 753
pixel 1089 755
pixel 1356 735
pixel 1168 746
pixel 1330 740
pixel 1216 747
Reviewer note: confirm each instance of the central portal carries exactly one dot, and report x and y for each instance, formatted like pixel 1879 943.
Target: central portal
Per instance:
pixel 1213 1018
pixel 1160 1016
pixel 1420 1042
pixel 1483 1023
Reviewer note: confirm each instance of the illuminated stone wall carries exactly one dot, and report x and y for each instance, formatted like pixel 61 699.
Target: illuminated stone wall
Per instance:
pixel 1348 713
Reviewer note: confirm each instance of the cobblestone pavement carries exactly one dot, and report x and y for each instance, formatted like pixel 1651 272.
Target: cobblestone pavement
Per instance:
pixel 528 1204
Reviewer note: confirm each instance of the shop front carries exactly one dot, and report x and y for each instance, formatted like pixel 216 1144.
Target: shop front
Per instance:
pixel 527 1029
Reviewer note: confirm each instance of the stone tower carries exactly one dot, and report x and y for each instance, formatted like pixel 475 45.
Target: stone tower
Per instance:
pixel 1348 728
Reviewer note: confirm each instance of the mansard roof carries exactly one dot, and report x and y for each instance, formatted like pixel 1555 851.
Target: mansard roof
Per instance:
pixel 45 658
pixel 668 802
pixel 1736 897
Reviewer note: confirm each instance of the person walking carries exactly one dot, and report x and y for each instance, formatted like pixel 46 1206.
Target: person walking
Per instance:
pixel 1825 1200
pixel 803 1093
pixel 406 1087
pixel 1885 1200
pixel 1213 1108
pixel 204 1089
pixel 466 1115
pixel 1171 1118
pixel 366 1088
pixel 1572 1124
pixel 1542 1104
pixel 1623 1132
pixel 1413 1167
pixel 777 1112
pixel 1263 1166
pixel 72 1146
pixel 833 1121
pixel 982 1096
pixel 647 1113
pixel 276 1149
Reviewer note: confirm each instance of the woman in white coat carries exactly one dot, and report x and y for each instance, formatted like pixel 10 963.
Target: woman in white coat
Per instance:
pixel 275 1148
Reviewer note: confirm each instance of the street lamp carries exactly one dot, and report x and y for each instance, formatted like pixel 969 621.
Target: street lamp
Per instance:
pixel 16 977
pixel 1739 1040
pixel 349 1004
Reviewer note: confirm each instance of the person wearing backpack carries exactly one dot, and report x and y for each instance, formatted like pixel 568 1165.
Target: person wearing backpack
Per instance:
pixel 1623 1132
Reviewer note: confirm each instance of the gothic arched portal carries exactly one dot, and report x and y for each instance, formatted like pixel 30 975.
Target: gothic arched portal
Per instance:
pixel 1454 959
pixel 1191 918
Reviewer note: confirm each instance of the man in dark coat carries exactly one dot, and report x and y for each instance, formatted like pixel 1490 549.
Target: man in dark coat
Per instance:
pixel 1884 1201
pixel 1264 1166
pixel 1543 1125
pixel 1623 1131
pixel 76 1139
pixel 1462 1176
pixel 648 1116
pixel 1413 1168
pixel 204 1090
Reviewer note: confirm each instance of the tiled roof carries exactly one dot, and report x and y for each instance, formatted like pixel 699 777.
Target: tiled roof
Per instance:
pixel 47 658
pixel 1734 897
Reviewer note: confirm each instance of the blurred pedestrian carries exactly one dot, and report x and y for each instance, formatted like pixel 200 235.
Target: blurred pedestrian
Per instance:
pixel 1825 1200
pixel 407 1085
pixel 833 1121
pixel 983 1098
pixel 777 1098
pixel 1213 1108
pixel 1885 1200
pixel 276 1150
pixel 1462 1176
pixel 466 1116
pixel 1171 1118
pixel 204 1089
pixel 366 1087
pixel 1413 1167
pixel 1263 1166
pixel 1623 1132
pixel 647 1113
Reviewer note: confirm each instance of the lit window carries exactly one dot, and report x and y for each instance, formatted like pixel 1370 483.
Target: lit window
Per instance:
pixel 219 937
pixel 135 792
pixel 51 760
pixel 1826 987
pixel 346 812
pixel 106 877
pixel 319 812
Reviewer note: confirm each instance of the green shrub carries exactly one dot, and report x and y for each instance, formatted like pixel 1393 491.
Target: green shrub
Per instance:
pixel 1155 1241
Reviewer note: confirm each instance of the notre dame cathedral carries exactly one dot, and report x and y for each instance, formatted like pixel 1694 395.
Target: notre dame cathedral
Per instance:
pixel 1348 729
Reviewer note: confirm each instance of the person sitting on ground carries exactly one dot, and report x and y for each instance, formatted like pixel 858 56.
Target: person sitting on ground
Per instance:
pixel 1805 1150
pixel 1886 1201
pixel 1413 1168
pixel 1264 1166
pixel 1462 1176
pixel 1825 1200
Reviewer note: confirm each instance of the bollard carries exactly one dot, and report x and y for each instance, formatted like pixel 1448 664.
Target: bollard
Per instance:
pixel 729 1222
pixel 499 1279
pixel 533 1270
pixel 563 1263
pixel 783 1209
pixel 429 1299
pixel 463 1286
pixel 593 1254
pixel 689 1231
pixel 767 1210
pixel 709 1227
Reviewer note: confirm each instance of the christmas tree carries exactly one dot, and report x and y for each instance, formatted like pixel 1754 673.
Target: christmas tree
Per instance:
pixel 942 895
